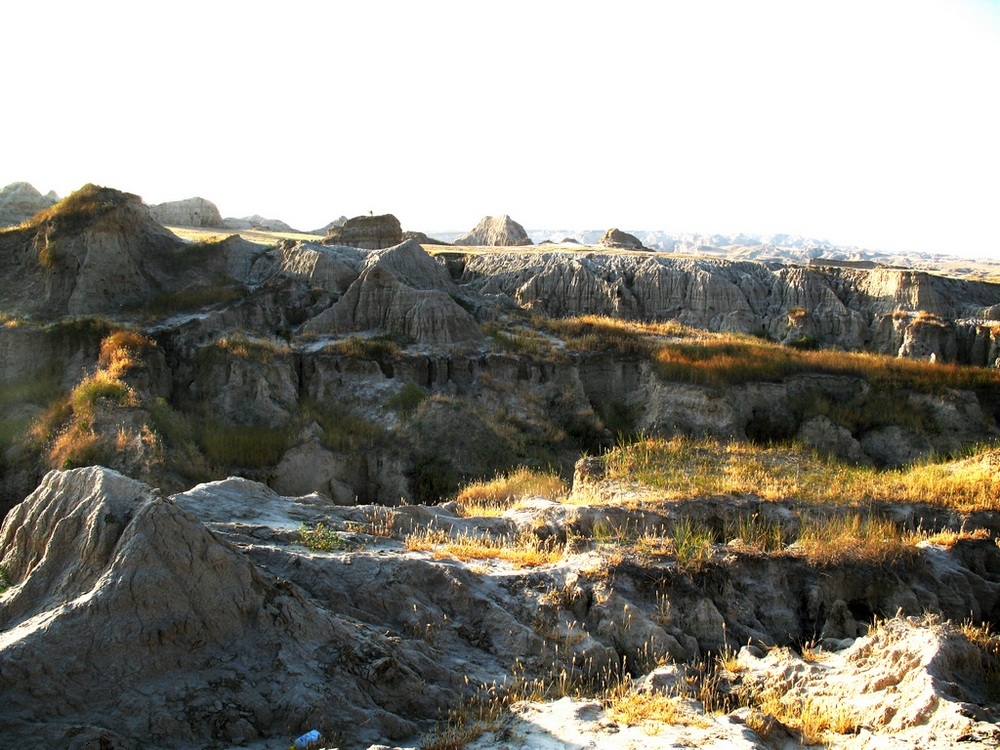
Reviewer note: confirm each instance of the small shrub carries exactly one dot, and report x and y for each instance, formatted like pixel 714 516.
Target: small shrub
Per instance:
pixel 321 538
pixel 4 578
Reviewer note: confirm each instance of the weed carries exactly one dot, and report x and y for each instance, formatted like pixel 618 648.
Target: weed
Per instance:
pixel 692 545
pixel 320 538
pixel 757 534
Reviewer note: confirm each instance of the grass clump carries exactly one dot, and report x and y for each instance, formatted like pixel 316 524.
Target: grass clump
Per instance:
pixel 521 550
pixel 494 496
pixel 191 298
pixel 627 705
pixel 852 538
pixel 4 578
pixel 379 348
pixel 242 346
pixel 406 401
pixel 692 545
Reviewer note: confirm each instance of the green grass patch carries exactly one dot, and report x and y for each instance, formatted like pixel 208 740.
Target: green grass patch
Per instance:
pixel 343 430
pixel 191 298
pixel 406 401
pixel 99 385
pixel 244 446
pixel 5 582
pixel 379 348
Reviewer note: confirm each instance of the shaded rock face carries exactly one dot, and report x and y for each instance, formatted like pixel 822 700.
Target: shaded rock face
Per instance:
pixel 19 201
pixel 165 608
pixel 366 232
pixel 190 212
pixel 619 240
pixel 404 290
pixel 495 231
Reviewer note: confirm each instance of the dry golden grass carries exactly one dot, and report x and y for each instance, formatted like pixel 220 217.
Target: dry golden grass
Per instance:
pixel 949 539
pixel 814 719
pixel 521 550
pixel 492 497
pixel 627 705
pixel 852 538
pixel 683 468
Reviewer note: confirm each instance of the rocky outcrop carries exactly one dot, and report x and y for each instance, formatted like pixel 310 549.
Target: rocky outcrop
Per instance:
pixel 366 232
pixel 495 231
pixel 840 307
pixel 19 201
pixel 404 291
pixel 190 212
pixel 619 240
pixel 423 239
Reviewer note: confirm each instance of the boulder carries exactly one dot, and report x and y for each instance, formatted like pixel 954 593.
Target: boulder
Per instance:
pixel 19 201
pixel 190 212
pixel 495 231
pixel 619 240
pixel 366 232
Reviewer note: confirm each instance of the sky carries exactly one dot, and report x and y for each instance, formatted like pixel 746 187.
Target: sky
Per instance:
pixel 873 123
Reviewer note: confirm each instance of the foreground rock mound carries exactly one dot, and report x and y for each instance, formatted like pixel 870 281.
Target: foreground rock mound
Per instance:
pixel 119 595
pixel 190 212
pixel 495 231
pixel 366 232
pixel 19 201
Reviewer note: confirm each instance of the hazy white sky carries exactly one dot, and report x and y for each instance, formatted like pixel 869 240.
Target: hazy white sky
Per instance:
pixel 862 122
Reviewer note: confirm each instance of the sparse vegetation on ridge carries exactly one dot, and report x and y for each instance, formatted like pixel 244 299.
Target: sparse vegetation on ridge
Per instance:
pixel 686 468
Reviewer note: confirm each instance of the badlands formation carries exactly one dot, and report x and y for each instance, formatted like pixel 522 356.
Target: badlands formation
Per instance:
pixel 246 493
